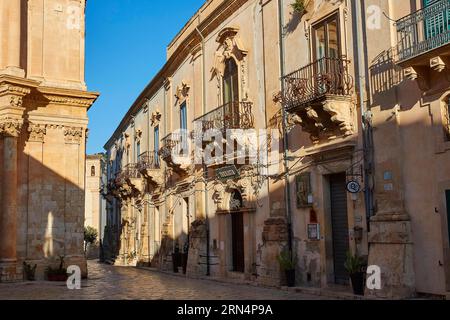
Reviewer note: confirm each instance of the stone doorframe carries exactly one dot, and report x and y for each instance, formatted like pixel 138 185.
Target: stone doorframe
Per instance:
pixel 222 197
pixel 323 203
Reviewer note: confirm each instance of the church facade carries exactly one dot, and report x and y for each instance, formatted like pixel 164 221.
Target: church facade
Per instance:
pixel 43 122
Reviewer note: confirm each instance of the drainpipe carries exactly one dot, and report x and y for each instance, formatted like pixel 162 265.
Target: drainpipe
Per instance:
pixel 365 125
pixel 285 124
pixel 208 266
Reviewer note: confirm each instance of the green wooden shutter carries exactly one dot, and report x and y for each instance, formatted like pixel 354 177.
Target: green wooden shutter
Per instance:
pixel 438 23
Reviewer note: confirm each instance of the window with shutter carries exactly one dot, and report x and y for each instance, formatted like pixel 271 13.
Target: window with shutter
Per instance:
pixel 438 23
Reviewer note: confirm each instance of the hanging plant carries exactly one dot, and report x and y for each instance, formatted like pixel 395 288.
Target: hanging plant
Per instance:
pixel 299 6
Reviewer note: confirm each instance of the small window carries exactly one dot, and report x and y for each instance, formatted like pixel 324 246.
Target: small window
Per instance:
pixel 93 171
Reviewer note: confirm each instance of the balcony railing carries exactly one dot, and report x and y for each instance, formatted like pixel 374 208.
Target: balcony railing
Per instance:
pixel 424 30
pixel 232 115
pixel 149 160
pixel 171 141
pixel 130 171
pixel 326 76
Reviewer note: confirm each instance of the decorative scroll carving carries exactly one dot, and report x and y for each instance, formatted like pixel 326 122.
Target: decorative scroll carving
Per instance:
pixel 73 134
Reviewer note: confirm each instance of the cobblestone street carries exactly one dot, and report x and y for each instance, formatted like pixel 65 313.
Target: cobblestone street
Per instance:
pixel 111 283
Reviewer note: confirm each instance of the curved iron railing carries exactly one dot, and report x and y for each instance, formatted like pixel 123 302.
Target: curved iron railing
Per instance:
pixel 326 76
pixel 231 115
pixel 149 160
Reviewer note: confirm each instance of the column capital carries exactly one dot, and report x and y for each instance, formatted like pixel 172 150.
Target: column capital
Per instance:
pixel 37 132
pixel 10 127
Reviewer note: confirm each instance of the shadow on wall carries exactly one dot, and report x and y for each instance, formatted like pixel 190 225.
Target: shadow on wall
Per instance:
pixel 50 202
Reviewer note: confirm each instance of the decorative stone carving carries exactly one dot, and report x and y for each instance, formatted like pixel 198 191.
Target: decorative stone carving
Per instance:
pixel 341 115
pixel 10 127
pixel 182 91
pixel 138 134
pixel 230 47
pixel 37 132
pixel 73 134
pixel 16 101
pixel 223 192
pixel 156 118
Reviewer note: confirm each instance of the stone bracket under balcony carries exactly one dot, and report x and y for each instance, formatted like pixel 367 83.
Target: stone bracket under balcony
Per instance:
pixel 136 183
pixel 423 74
pixel 330 118
pixel 153 176
pixel 170 145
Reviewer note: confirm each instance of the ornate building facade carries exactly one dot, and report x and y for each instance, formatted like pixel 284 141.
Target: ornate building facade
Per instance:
pixel 358 96
pixel 43 121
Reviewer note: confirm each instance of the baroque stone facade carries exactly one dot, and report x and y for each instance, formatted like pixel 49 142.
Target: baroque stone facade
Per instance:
pixel 43 121
pixel 364 128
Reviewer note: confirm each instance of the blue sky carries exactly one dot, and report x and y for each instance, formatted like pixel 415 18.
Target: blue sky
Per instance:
pixel 126 44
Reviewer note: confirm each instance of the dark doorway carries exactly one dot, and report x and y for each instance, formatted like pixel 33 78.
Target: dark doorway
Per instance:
pixel 237 219
pixel 447 247
pixel 339 219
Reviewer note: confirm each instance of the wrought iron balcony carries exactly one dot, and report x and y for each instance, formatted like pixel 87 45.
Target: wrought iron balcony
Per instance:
pixel 424 30
pixel 169 143
pixel 314 82
pixel 149 161
pixel 149 166
pixel 176 144
pixel 131 171
pixel 232 115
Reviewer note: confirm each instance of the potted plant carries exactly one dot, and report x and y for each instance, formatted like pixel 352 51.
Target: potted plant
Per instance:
pixel 57 274
pixel 355 267
pixel 90 237
pixel 299 6
pixel 29 271
pixel 287 264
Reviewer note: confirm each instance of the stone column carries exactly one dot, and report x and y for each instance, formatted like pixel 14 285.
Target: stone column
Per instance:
pixel 8 220
pixel 14 38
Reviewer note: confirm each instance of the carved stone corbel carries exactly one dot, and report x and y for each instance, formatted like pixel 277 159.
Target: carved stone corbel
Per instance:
pixel 420 75
pixel 341 115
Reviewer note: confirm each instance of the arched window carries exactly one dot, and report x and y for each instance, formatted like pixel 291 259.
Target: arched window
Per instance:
pixel 93 171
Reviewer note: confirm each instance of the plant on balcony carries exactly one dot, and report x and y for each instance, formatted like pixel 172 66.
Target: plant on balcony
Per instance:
pixel 300 6
pixel 57 274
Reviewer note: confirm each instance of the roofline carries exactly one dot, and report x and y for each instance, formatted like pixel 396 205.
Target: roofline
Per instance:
pixel 180 53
